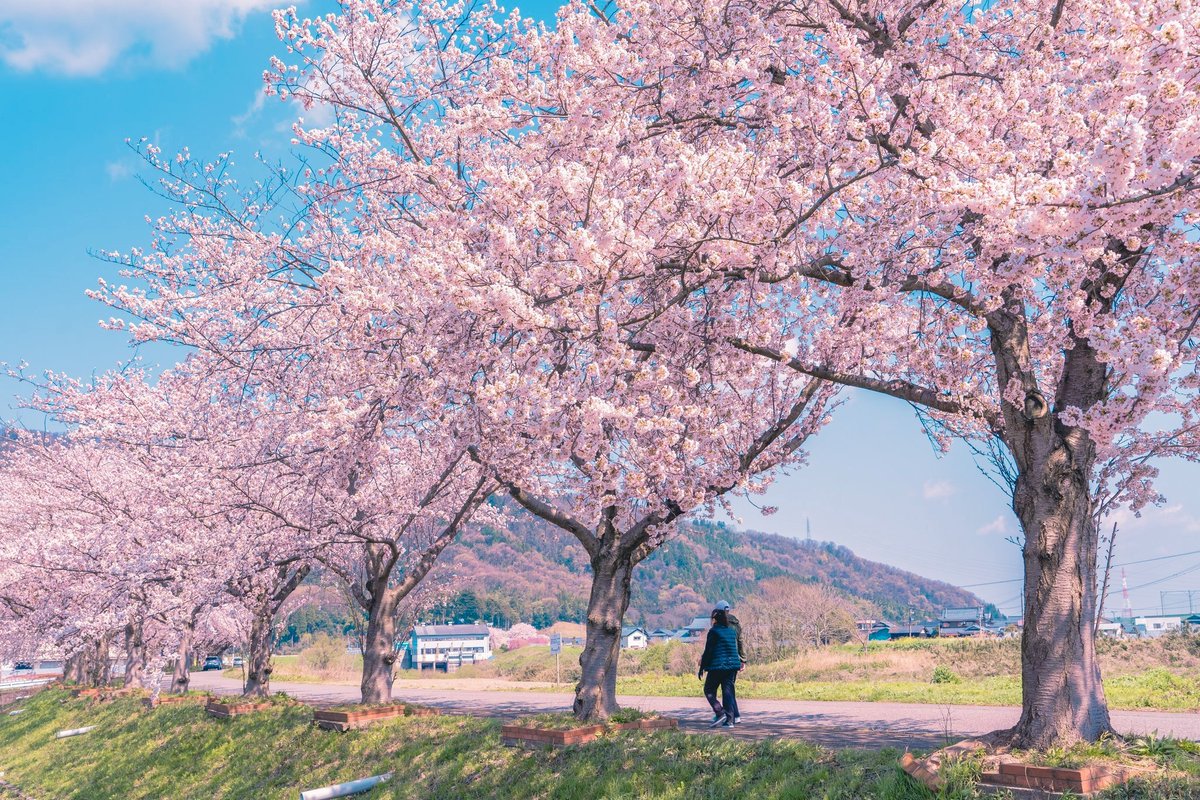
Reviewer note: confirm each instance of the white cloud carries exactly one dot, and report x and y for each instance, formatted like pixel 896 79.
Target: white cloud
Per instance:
pixel 118 170
pixel 86 37
pixel 239 120
pixel 937 490
pixel 997 527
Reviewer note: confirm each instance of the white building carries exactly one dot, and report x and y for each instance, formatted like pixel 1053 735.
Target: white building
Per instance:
pixel 634 638
pixel 448 647
pixel 1157 626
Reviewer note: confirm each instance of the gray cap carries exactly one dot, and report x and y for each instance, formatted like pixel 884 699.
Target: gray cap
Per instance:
pixel 722 606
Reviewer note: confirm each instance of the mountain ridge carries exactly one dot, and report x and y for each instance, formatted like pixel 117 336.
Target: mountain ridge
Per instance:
pixel 531 571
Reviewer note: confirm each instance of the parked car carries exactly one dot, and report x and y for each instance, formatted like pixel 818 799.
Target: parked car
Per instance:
pixel 237 661
pixel 212 662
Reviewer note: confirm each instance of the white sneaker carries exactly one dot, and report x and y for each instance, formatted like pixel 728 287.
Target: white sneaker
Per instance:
pixel 737 720
pixel 717 720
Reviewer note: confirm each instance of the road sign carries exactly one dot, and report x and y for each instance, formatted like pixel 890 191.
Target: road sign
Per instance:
pixel 556 643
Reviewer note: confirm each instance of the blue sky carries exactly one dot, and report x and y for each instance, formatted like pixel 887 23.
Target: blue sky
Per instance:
pixel 78 79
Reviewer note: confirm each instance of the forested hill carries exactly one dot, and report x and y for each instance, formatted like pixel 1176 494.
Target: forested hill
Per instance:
pixel 533 572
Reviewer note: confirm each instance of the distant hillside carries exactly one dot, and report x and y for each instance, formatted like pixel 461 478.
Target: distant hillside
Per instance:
pixel 533 572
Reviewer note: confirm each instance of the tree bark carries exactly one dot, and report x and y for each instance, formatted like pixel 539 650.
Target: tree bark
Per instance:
pixel 1062 697
pixel 100 668
pixel 259 652
pixel 379 646
pixel 181 674
pixel 596 692
pixel 75 668
pixel 135 655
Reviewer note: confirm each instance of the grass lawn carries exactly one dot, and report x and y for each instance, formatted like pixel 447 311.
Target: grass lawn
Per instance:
pixel 178 752
pixel 1155 689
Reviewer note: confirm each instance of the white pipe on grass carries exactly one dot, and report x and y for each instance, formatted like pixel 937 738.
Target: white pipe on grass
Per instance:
pixel 74 732
pixel 18 711
pixel 343 789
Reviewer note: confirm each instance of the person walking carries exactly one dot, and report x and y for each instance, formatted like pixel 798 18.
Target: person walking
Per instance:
pixel 722 661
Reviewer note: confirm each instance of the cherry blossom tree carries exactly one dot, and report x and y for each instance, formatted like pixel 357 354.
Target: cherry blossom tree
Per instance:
pixel 986 211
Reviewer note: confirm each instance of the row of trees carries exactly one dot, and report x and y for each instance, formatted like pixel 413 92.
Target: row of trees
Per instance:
pixel 618 270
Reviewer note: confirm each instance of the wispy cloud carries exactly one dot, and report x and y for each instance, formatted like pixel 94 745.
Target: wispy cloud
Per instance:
pixel 118 170
pixel 241 120
pixel 87 37
pixel 937 490
pixel 997 527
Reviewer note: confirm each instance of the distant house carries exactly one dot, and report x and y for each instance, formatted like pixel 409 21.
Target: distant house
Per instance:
pixel 660 635
pixel 447 647
pixel 1111 628
pixel 875 630
pixel 961 621
pixel 1153 627
pixel 917 630
pixel 696 630
pixel 633 638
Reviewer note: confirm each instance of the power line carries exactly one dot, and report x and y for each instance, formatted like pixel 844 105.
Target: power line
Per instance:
pixel 1122 564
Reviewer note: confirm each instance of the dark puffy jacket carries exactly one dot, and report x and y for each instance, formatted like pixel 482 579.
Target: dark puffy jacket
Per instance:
pixel 721 649
pixel 737 626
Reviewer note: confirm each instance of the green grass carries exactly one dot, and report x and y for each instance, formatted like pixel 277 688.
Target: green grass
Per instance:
pixel 1161 674
pixel 180 753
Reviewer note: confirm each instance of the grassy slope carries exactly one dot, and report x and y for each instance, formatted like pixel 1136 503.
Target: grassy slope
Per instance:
pixel 179 753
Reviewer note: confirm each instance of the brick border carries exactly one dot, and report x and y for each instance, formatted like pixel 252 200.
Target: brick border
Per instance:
pixel 1006 772
pixel 176 700
pixel 1084 780
pixel 225 711
pixel 361 718
pixel 522 736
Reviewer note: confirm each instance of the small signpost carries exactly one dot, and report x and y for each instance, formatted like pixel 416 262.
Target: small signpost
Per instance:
pixel 556 649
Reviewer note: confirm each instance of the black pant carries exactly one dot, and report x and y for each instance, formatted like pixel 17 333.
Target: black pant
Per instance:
pixel 725 678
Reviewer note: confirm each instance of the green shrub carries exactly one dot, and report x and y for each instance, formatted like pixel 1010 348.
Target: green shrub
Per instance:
pixel 944 675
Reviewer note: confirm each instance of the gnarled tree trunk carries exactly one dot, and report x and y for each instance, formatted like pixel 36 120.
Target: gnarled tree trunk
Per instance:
pixel 135 655
pixel 259 652
pixel 596 692
pixel 379 646
pixel 99 666
pixel 75 668
pixel 1062 697
pixel 181 674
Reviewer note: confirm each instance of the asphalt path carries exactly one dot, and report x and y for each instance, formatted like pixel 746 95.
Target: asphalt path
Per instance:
pixel 911 726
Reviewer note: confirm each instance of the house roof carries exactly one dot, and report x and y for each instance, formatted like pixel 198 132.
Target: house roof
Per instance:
pixel 450 630
pixel 629 630
pixel 699 623
pixel 961 614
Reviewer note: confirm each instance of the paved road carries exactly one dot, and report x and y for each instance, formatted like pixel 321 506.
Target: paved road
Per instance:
pixel 833 724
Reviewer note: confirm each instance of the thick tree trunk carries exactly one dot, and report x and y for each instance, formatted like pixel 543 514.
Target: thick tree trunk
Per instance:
pixel 258 657
pixel 75 668
pixel 181 674
pixel 1062 697
pixel 135 655
pixel 100 668
pixel 596 692
pixel 379 648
